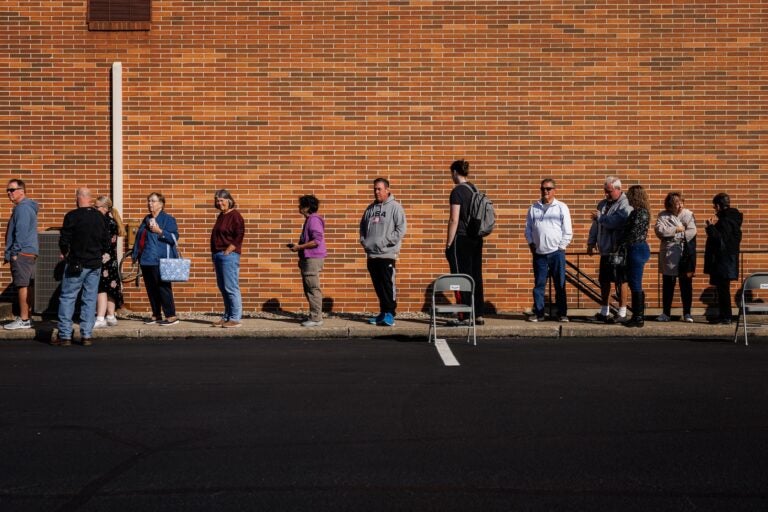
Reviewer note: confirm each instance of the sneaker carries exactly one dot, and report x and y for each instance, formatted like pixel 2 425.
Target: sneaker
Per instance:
pixel 599 317
pixel 312 323
pixel 219 323
pixel 111 321
pixel 664 318
pixel 375 320
pixel 100 324
pixel 457 323
pixel 534 318
pixel 167 322
pixel 564 319
pixel 688 318
pixel 388 320
pixel 150 321
pixel 479 320
pixel 228 324
pixel 18 323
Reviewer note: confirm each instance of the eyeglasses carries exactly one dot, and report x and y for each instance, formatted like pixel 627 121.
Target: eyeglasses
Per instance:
pixel 547 189
pixel 11 190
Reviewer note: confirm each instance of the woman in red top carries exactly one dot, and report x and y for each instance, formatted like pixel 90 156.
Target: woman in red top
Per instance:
pixel 226 246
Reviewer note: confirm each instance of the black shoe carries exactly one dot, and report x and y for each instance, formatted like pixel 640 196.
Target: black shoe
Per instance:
pixel 617 320
pixel 606 319
pixel 725 321
pixel 635 321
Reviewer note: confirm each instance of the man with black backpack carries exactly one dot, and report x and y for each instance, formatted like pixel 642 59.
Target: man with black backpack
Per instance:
pixel 464 242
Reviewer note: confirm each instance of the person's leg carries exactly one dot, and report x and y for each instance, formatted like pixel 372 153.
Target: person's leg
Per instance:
pixel 310 274
pixel 476 252
pixel 231 292
pixel 667 293
pixel 540 272
pixel 70 287
pixel 88 299
pixel 151 276
pixel 686 293
pixel 382 273
pixel 101 305
pixel 724 299
pixel 218 267
pixel 165 292
pixel 464 256
pixel 24 309
pixel 556 264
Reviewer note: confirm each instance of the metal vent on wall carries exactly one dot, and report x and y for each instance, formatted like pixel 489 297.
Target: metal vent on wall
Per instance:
pixel 46 287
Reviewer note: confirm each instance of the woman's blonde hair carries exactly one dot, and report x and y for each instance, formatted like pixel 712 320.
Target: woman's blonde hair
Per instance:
pixel 107 202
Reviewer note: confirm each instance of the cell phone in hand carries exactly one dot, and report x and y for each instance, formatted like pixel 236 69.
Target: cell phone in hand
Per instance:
pixel 290 246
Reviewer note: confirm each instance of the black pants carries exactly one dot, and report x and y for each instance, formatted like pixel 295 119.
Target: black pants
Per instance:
pixel 159 292
pixel 382 273
pixel 465 256
pixel 723 287
pixel 668 292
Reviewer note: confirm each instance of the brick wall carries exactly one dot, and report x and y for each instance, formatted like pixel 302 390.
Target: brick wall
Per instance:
pixel 277 99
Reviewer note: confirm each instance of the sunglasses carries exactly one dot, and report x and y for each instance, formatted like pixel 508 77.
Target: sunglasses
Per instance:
pixel 547 189
pixel 11 190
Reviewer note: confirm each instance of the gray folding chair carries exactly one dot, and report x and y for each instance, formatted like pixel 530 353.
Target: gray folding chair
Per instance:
pixel 451 283
pixel 751 302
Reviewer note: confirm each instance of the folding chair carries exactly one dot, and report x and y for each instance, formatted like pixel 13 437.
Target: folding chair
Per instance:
pixel 751 303
pixel 453 283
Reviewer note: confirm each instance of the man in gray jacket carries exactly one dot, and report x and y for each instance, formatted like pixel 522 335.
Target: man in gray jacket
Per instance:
pixel 21 250
pixel 382 229
pixel 607 227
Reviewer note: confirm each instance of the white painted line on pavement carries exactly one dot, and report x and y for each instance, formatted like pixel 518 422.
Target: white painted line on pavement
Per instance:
pixel 445 353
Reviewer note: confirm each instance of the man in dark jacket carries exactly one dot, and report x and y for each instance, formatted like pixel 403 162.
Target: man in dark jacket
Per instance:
pixel 721 254
pixel 84 244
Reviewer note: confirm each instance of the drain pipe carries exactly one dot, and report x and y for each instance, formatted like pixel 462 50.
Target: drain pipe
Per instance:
pixel 117 142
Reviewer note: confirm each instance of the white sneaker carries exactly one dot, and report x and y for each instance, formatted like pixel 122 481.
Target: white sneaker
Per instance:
pixel 100 324
pixel 662 318
pixel 688 318
pixel 312 323
pixel 111 321
pixel 18 323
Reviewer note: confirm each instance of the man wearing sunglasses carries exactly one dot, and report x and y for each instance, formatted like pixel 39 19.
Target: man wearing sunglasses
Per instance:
pixel 21 250
pixel 548 231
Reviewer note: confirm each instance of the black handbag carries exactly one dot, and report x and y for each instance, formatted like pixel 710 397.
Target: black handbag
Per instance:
pixel 619 257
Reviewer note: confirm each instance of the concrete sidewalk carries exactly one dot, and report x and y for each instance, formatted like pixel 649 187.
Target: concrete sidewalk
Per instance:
pixel 408 327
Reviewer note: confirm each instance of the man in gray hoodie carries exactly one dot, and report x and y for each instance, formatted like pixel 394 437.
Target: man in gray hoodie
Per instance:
pixel 608 221
pixel 21 249
pixel 382 229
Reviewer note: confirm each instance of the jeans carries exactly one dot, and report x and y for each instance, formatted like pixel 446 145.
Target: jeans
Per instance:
pixel 543 265
pixel 637 256
pixel 227 268
pixel 88 281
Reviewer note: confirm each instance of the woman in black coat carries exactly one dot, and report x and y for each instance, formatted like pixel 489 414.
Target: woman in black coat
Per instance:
pixel 721 254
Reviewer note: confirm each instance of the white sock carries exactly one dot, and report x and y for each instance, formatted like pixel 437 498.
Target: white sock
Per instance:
pixel 99 318
pixel 111 317
pixel 623 311
pixel 604 310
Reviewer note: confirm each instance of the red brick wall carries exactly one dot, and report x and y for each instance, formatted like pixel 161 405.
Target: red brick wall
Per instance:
pixel 278 99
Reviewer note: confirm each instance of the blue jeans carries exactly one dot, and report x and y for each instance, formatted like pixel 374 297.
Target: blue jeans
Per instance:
pixel 543 265
pixel 88 281
pixel 637 256
pixel 227 268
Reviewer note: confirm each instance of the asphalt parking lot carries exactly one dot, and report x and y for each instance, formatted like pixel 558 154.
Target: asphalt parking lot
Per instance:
pixel 384 424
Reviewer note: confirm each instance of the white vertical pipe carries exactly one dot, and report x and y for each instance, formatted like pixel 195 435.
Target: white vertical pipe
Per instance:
pixel 117 142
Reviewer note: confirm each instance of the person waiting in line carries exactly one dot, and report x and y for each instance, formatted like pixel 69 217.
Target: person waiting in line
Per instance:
pixel 312 252
pixel 634 239
pixel 110 287
pixel 226 247
pixel 608 221
pixel 721 253
pixel 156 237
pixel 464 252
pixel 548 231
pixel 21 250
pixel 84 246
pixel 676 228
pixel 382 229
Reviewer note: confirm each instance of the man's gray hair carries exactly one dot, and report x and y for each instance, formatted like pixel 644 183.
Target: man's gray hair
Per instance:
pixel 613 181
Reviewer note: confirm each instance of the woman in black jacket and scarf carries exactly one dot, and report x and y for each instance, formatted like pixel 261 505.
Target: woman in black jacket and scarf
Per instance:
pixel 721 254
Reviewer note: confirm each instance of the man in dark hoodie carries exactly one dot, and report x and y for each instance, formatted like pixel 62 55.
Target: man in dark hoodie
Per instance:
pixel 721 253
pixel 382 229
pixel 21 249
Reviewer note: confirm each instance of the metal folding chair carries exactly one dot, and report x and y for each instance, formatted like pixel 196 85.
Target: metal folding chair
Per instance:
pixel 750 303
pixel 452 283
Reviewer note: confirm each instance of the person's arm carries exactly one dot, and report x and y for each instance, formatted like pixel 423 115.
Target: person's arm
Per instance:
pixel 399 225
pixel 453 224
pixel 567 227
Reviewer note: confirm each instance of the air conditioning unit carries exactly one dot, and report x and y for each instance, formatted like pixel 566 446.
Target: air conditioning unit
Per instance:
pixel 47 289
